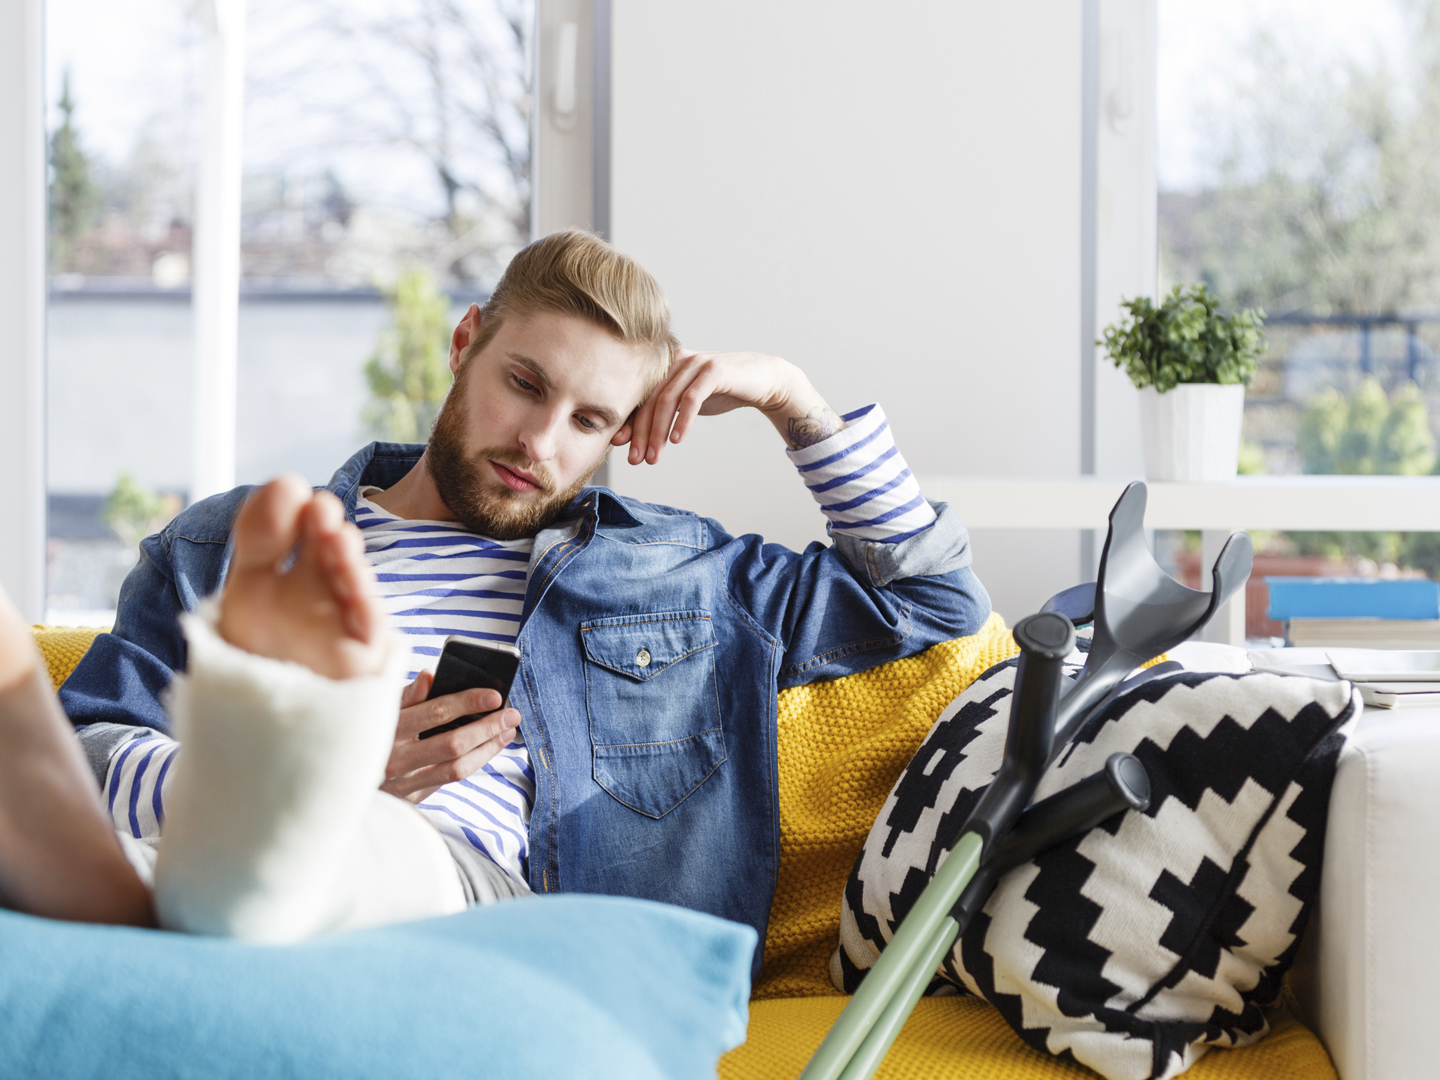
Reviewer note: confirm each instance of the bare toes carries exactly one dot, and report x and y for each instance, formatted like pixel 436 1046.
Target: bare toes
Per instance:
pixel 267 527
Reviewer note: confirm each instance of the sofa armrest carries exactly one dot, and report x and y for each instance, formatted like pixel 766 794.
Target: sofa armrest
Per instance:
pixel 1366 981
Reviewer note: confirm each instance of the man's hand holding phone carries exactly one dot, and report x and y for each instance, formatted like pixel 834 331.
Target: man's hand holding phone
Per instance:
pixel 418 766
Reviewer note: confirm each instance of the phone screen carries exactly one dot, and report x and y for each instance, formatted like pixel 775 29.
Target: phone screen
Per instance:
pixel 466 665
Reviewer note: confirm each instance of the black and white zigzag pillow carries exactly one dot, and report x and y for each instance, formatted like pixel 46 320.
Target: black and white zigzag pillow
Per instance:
pixel 1134 948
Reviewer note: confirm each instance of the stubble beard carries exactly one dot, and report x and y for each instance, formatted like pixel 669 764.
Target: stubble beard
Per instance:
pixel 487 507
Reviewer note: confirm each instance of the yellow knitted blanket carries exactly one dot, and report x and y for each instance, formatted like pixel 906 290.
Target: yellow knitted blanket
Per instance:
pixel 62 647
pixel 842 746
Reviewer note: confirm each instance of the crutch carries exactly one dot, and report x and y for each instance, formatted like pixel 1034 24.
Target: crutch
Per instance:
pixel 1139 612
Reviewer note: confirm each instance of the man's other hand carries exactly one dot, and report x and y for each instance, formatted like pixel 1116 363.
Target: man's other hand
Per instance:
pixel 417 766
pixel 710 383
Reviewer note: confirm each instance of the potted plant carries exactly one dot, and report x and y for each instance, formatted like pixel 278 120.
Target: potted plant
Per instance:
pixel 1191 365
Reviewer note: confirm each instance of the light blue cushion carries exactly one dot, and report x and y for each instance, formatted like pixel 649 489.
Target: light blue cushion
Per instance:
pixel 568 986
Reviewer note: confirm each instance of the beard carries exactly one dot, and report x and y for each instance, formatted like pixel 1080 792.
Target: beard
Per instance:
pixel 488 507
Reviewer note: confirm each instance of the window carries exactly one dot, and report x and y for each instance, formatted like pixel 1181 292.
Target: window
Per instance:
pixel 1299 173
pixel 386 182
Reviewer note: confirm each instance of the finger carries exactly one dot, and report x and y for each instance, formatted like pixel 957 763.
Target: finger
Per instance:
pixel 695 396
pixel 417 690
pixel 685 400
pixel 667 401
pixel 267 526
pixel 652 421
pixel 458 768
pixel 425 715
pixel 621 437
pixel 640 429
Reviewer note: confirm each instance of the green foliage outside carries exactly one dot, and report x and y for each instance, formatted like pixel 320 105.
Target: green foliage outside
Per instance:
pixel 409 372
pixel 74 195
pixel 1370 434
pixel 134 511
pixel 1185 340
pixel 1367 434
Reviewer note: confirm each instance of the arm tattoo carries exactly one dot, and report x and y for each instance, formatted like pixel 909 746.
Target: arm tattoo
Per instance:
pixel 816 425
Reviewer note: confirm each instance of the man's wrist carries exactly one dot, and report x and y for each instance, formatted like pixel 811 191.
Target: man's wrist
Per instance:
pixel 803 418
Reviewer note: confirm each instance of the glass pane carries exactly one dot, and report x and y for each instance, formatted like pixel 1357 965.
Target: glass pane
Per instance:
pixel 386 176
pixel 1298 170
pixel 122 109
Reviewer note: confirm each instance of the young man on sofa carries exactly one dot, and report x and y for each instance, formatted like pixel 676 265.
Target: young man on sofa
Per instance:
pixel 638 757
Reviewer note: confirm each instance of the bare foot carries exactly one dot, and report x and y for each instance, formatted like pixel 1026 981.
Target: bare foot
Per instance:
pixel 299 587
pixel 59 855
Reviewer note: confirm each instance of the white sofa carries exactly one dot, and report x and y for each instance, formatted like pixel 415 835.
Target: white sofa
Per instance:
pixel 1367 978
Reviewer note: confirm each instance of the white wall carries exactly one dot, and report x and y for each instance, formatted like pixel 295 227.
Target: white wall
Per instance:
pixel 888 195
pixel 22 303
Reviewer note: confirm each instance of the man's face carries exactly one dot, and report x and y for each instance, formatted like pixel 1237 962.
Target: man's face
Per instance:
pixel 529 419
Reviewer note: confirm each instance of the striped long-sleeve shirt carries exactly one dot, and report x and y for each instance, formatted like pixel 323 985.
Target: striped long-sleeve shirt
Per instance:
pixel 436 579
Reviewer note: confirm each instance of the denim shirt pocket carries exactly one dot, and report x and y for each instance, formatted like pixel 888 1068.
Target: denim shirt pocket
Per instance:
pixel 654 708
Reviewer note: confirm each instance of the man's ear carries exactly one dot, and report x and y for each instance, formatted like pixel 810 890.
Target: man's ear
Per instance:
pixel 466 331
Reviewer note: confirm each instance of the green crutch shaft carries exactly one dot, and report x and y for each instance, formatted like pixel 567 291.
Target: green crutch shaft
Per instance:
pixel 912 944
pixel 887 1029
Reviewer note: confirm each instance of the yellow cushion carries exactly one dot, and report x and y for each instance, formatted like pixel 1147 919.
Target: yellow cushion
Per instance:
pixel 841 746
pixel 62 647
pixel 965 1039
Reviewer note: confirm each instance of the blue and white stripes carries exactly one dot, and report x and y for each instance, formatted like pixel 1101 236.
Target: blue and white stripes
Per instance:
pixel 436 579
pixel 862 483
pixel 136 785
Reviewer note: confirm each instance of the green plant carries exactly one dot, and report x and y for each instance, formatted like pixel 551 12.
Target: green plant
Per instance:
pixel 134 511
pixel 1367 434
pixel 408 373
pixel 1185 340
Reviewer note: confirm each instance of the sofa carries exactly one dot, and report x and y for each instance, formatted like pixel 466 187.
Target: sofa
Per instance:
pixel 1359 983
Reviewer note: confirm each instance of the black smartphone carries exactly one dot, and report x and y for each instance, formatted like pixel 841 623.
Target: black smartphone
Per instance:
pixel 466 664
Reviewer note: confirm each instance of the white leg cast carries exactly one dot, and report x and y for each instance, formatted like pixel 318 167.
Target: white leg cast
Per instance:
pixel 275 830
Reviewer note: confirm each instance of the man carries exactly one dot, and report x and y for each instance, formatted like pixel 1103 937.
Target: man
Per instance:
pixel 638 754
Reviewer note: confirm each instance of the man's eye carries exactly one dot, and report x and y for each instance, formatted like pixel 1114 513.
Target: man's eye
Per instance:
pixel 587 423
pixel 522 384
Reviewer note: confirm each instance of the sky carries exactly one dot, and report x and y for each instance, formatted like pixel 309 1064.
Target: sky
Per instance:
pixel 1200 42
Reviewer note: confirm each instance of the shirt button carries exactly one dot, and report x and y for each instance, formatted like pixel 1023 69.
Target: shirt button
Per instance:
pixel 642 658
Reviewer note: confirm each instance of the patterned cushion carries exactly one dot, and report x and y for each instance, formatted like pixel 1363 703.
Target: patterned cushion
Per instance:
pixel 1134 948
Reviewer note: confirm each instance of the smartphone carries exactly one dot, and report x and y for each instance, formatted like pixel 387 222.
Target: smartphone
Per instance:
pixel 466 664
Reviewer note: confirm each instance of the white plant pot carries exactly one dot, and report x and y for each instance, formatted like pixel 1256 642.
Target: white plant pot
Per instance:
pixel 1192 432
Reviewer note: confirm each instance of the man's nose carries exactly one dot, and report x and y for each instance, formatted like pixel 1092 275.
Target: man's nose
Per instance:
pixel 541 436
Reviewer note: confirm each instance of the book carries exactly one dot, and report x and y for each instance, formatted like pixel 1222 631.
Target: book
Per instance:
pixel 1389 692
pixel 1415 666
pixel 1364 633
pixel 1382 699
pixel 1336 598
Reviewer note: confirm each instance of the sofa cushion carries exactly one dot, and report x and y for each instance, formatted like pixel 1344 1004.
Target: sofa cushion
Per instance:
pixel 1157 935
pixel 955 1038
pixel 554 986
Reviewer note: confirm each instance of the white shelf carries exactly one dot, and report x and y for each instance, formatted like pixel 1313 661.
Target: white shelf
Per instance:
pixel 1339 503
pixel 1322 503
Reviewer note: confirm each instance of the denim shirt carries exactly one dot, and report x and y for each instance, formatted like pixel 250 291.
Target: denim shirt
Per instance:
pixel 652 646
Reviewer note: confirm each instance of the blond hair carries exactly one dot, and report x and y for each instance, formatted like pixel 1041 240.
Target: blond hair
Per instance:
pixel 573 272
